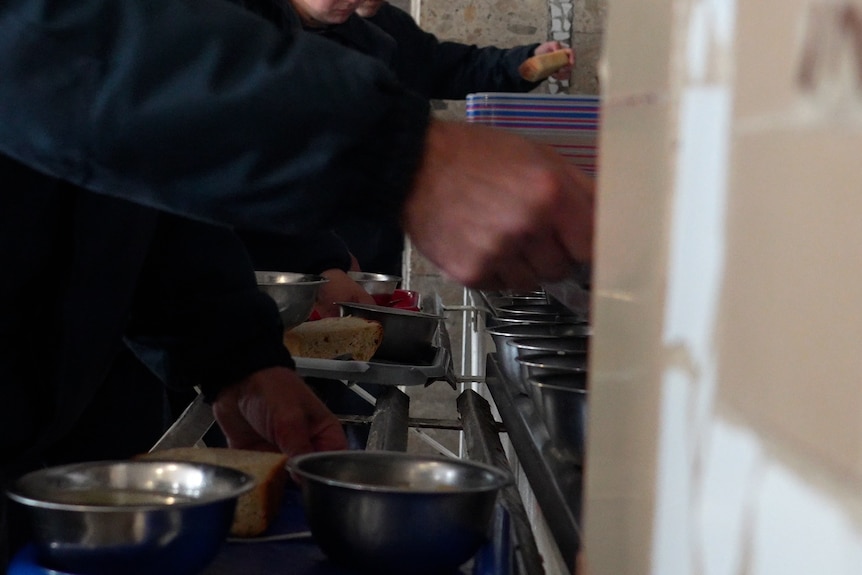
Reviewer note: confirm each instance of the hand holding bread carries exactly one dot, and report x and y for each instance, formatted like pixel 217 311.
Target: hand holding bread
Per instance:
pixel 550 59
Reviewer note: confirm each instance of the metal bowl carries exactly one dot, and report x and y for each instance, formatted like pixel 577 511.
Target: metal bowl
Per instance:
pixel 408 336
pixel 563 329
pixel 533 365
pixel 130 517
pixel 507 356
pixel 561 402
pixel 375 284
pixel 391 512
pixel 546 345
pixel 294 294
pixel 535 311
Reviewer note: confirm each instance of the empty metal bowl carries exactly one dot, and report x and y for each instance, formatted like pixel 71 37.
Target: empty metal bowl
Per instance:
pixel 535 311
pixel 380 286
pixel 507 356
pixel 396 513
pixel 130 517
pixel 533 365
pixel 294 294
pixel 408 336
pixel 545 345
pixel 562 329
pixel 561 402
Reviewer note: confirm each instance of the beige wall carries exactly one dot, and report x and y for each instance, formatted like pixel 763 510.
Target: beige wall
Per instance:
pixel 726 373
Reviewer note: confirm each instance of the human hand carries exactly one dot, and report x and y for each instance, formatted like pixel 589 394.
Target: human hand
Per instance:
pixel 492 209
pixel 273 410
pixel 546 48
pixel 354 264
pixel 340 287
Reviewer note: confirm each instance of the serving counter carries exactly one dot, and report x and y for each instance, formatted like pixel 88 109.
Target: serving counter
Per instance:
pixel 495 425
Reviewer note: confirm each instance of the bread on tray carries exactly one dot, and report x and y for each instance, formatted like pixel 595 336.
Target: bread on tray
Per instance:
pixel 256 509
pixel 331 337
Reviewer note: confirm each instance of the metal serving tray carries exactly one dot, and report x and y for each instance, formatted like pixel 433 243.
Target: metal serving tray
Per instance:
pixel 440 366
pixel 384 373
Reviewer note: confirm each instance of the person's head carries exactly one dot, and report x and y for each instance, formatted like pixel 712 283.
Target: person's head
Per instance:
pixel 368 8
pixel 320 13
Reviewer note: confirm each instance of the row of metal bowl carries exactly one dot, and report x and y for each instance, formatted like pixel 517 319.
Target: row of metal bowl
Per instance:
pixel 295 293
pixel 542 352
pixel 378 512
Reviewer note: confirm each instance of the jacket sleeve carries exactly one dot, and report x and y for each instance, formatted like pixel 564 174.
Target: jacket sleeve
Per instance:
pixel 203 109
pixel 450 70
pixel 311 253
pixel 199 318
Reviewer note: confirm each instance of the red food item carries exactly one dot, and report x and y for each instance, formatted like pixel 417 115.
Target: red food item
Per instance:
pixel 382 298
pixel 405 299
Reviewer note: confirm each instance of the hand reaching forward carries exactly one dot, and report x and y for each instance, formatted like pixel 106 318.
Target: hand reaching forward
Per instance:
pixel 273 410
pixel 492 209
pixel 565 72
pixel 340 287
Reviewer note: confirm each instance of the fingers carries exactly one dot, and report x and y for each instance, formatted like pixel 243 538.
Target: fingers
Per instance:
pixel 273 409
pixel 304 424
pixel 491 208
pixel 547 47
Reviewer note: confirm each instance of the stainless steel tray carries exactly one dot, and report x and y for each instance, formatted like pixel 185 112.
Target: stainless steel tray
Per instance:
pixel 388 373
pixel 384 373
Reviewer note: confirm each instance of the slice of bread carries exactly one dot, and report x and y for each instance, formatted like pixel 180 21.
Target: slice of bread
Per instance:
pixel 537 68
pixel 256 509
pixel 333 336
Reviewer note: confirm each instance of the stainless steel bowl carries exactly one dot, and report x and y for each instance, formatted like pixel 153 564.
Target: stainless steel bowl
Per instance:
pixel 536 311
pixel 294 294
pixel 545 345
pixel 507 356
pixel 130 517
pixel 376 284
pixel 396 513
pixel 562 329
pixel 408 336
pixel 561 402
pixel 533 365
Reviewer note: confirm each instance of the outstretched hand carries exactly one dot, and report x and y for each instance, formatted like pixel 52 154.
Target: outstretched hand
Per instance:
pixel 340 287
pixel 492 209
pixel 553 46
pixel 274 410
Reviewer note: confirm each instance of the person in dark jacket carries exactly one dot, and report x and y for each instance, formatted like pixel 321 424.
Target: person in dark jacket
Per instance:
pixel 432 68
pixel 200 110
pixel 435 69
pixel 114 307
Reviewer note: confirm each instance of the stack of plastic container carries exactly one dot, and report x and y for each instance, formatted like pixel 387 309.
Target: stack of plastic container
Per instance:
pixel 568 123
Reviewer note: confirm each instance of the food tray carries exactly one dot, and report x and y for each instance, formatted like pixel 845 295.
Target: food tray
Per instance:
pixel 384 373
pixel 440 366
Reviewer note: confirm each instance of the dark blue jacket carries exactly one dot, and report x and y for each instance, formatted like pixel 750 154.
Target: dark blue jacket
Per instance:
pixel 434 69
pixel 88 278
pixel 447 70
pixel 194 108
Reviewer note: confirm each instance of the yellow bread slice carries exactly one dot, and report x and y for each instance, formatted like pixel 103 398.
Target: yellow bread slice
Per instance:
pixel 256 509
pixel 331 337
pixel 539 67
